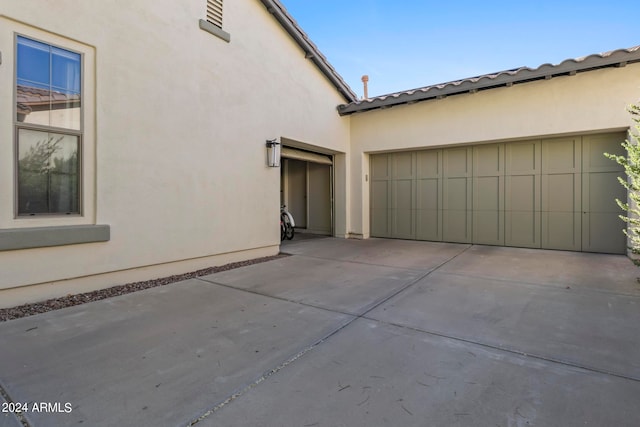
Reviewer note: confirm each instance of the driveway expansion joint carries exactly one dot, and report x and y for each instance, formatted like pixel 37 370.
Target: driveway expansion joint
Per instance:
pixel 262 294
pixel 5 395
pixel 243 390
pixel 552 285
pixel 507 350
pixel 359 262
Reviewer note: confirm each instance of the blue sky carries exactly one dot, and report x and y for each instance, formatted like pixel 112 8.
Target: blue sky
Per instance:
pixel 407 44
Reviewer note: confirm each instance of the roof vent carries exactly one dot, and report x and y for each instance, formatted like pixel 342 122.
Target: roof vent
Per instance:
pixel 365 80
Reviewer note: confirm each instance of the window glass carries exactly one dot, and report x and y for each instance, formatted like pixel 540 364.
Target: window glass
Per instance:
pixel 65 70
pixel 48 172
pixel 48 85
pixel 34 63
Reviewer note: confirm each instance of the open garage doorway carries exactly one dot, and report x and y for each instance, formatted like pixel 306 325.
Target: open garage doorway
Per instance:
pixel 306 188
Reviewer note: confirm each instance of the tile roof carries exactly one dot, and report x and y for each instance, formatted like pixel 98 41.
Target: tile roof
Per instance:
pixel 30 98
pixel 311 50
pixel 616 58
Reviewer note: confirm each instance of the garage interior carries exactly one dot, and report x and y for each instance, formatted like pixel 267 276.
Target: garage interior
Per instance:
pixel 306 189
pixel 550 193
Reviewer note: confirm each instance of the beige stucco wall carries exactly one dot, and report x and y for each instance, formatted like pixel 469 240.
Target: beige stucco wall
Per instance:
pixel 587 102
pixel 179 128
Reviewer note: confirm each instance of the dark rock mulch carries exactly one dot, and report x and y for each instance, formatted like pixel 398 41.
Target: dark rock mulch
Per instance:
pixel 71 300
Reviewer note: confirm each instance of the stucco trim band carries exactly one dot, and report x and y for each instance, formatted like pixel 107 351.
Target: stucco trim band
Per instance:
pixel 40 237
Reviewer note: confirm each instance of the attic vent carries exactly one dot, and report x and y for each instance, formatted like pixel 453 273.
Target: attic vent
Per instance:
pixel 214 12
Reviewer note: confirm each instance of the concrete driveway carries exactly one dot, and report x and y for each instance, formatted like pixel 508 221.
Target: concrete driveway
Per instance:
pixel 345 333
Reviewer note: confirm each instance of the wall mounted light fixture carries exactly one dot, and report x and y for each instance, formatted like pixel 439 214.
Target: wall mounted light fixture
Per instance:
pixel 273 153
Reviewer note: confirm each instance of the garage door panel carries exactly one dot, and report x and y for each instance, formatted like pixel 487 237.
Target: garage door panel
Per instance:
pixel 561 230
pixel 402 165
pixel 456 215
pixel 522 193
pixel 456 226
pixel 428 194
pixel 402 194
pixel 522 157
pixel 522 229
pixel 380 217
pixel 601 190
pixel 561 155
pixel 488 211
pixel 456 194
pixel 487 227
pixel 428 218
pixel 522 211
pixel 488 160
pixel 402 221
pixel 457 162
pixel 487 193
pixel 601 225
pixel 595 145
pixel 379 195
pixel 428 164
pixel 560 193
pixel 380 223
pixel 428 225
pixel 402 209
pixel 604 233
pixel 380 167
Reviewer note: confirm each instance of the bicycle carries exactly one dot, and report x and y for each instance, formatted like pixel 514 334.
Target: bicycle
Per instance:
pixel 287 224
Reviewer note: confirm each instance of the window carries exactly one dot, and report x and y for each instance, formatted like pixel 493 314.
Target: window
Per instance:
pixel 48 131
pixel 48 157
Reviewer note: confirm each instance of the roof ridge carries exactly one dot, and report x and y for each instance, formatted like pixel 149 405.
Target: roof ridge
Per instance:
pixel 277 9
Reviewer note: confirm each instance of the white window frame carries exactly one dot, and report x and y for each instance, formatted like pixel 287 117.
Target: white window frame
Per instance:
pixel 21 232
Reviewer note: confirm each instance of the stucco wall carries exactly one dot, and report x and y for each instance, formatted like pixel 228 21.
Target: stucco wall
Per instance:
pixel 179 128
pixel 586 102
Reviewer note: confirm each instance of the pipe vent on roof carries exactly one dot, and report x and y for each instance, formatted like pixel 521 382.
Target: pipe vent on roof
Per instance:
pixel 365 81
pixel 214 12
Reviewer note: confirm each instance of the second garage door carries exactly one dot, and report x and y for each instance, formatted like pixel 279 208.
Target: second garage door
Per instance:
pixel 554 193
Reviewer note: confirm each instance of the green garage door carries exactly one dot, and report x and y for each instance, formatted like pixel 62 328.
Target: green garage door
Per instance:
pixel 548 193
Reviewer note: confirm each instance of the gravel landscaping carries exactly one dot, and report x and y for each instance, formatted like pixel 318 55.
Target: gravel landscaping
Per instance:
pixel 71 300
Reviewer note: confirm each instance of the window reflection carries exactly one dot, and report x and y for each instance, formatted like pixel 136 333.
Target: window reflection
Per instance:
pixel 48 172
pixel 48 85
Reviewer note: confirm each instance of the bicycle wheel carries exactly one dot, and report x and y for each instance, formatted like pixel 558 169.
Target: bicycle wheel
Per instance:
pixel 289 232
pixel 288 228
pixel 283 231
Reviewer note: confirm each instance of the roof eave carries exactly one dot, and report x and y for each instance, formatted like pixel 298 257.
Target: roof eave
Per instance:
pixel 620 57
pixel 311 51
